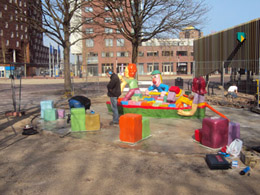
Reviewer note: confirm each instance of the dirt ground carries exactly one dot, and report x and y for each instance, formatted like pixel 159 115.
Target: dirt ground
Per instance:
pixel 169 162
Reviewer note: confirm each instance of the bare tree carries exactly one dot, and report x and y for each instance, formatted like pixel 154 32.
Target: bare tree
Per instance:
pixel 141 20
pixel 60 19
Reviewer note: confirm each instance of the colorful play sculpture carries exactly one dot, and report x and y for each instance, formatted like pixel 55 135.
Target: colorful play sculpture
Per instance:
pixel 130 72
pixel 199 89
pixel 159 104
pixel 157 84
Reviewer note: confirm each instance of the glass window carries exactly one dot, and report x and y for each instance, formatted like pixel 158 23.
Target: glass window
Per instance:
pixel 108 30
pixel 152 53
pixel 6 24
pixel 120 42
pixel 167 53
pixel 109 42
pixel 88 9
pixel 89 43
pixel 122 54
pixel 106 66
pixel 7 42
pixel 107 54
pixel 108 20
pixel 1 15
pixel 89 30
pixel 181 53
pixel 89 20
pixel 141 54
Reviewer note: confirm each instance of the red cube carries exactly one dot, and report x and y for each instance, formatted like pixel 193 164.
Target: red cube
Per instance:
pixel 130 128
pixel 214 133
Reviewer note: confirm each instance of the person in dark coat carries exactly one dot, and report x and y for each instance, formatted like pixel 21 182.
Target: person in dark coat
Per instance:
pixel 114 91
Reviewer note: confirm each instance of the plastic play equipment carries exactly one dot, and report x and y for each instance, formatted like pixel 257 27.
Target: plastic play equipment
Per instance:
pixel 157 84
pixel 199 89
pixel 130 72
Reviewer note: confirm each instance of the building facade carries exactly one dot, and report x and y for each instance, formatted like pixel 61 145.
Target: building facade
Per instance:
pixel 112 50
pixel 21 46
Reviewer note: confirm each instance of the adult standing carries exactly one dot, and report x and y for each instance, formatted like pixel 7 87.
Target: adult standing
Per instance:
pixel 114 91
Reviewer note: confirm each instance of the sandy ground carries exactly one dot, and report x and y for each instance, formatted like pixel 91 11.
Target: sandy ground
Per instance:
pixel 169 162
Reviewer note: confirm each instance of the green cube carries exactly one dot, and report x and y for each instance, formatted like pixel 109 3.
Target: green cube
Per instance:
pixel 78 119
pixel 145 128
pixel 50 114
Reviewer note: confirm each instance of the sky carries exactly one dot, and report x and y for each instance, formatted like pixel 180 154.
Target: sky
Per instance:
pixel 223 14
pixel 229 13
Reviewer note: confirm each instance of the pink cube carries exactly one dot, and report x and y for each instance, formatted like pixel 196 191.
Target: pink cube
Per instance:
pixel 214 133
pixel 61 113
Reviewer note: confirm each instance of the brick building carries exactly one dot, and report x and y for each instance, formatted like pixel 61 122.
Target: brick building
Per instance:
pixel 111 50
pixel 21 46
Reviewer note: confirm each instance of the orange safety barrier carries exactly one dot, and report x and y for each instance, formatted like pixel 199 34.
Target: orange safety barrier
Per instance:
pixel 217 112
pixel 130 127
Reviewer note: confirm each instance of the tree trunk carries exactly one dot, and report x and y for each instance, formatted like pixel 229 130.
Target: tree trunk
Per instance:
pixel 67 79
pixel 134 52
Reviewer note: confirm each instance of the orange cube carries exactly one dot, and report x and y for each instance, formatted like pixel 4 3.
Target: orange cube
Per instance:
pixel 130 128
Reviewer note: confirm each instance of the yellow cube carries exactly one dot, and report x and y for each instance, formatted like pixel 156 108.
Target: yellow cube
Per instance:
pixel 92 122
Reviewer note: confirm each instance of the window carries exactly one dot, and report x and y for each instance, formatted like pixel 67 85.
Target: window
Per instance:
pixel 17 43
pixel 141 54
pixel 89 20
pixel 107 54
pixel 109 42
pixel 92 54
pixel 12 34
pixel 21 37
pixel 106 9
pixel 11 18
pixel 106 66
pixel 152 66
pixel 17 34
pixel 192 53
pixel 21 27
pixel 89 30
pixel 118 31
pixel 122 54
pixel 88 9
pixel 167 53
pixel 1 32
pixel 152 53
pixel 89 43
pixel 181 53
pixel 10 1
pixel 120 42
pixel 6 24
pixel 7 42
pixel 119 19
pixel 1 14
pixel 5 7
pixel 120 9
pixel 25 30
pixel 108 30
pixel 108 20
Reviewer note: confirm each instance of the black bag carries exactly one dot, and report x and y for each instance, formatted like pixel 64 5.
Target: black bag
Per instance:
pixel 217 161
pixel 86 102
